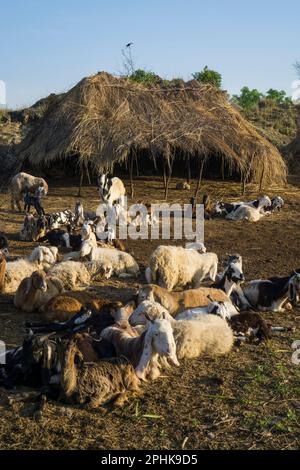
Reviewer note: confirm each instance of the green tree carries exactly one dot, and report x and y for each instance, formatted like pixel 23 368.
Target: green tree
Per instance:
pixel 279 97
pixel 209 76
pixel 247 98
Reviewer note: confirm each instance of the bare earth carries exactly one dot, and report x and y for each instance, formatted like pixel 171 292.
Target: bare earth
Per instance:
pixel 249 399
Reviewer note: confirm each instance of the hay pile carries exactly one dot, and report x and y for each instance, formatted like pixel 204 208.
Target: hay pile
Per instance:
pixel 104 119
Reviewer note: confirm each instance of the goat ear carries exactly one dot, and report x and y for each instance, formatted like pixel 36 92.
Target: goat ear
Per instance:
pixel 28 285
pixel 148 317
pixel 145 359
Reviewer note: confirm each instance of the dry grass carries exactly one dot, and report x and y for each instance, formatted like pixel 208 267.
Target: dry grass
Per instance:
pixel 105 119
pixel 246 400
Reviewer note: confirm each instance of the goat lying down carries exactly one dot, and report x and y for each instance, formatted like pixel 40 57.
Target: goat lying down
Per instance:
pixel 95 383
pixel 144 351
pixel 273 293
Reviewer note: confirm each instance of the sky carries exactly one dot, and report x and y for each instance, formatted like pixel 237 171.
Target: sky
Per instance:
pixel 49 45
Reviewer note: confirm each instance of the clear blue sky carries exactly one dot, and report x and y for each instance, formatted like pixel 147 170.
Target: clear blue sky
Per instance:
pixel 48 45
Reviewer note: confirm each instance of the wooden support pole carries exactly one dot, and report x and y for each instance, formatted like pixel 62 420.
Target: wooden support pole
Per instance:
pixel 223 167
pixel 131 172
pixel 170 167
pixel 137 165
pixel 88 174
pixel 164 175
pixel 200 176
pixel 188 170
pixel 81 181
pixel 262 178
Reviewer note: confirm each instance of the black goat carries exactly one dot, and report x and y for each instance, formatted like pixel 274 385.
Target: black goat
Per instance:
pixel 34 201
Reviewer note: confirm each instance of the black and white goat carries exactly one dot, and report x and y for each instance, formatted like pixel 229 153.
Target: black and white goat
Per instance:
pixel 61 219
pixel 225 208
pixel 277 204
pixel 111 189
pixel 273 293
pixel 232 276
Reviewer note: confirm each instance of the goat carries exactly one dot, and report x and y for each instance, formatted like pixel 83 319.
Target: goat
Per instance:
pixel 4 244
pixel 95 384
pixel 34 201
pixel 175 302
pixel 273 293
pixel 232 276
pixel 143 351
pixel 111 190
pixel 35 291
pixel 23 183
pixel 62 218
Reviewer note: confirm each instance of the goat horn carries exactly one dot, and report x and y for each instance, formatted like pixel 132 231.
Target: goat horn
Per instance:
pixel 210 298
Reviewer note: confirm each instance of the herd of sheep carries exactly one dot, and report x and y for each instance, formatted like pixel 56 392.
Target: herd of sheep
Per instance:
pixel 91 351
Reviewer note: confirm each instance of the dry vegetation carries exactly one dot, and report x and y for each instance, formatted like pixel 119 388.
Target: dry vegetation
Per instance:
pixel 249 399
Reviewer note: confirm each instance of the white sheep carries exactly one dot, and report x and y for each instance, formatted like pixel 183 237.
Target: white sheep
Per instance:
pixel 209 334
pixel 45 256
pixel 145 350
pixel 173 266
pixel 111 262
pixel 16 271
pixel 22 183
pixel 71 273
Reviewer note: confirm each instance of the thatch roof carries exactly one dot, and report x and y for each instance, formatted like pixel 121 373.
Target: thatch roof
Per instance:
pixel 103 118
pixel 293 149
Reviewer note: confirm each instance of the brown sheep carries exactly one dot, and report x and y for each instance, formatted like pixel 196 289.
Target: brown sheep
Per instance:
pixel 64 306
pixel 2 271
pixel 176 302
pixel 36 290
pixel 95 384
pixel 22 183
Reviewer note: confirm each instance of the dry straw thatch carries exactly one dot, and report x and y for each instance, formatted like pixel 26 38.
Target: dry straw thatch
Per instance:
pixel 104 119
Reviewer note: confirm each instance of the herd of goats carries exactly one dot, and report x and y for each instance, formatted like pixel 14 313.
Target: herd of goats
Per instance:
pixel 89 350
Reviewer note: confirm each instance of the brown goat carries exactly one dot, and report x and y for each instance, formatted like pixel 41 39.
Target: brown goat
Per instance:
pixel 95 384
pixel 2 271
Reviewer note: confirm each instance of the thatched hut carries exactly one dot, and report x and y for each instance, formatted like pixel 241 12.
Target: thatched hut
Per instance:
pixel 292 151
pixel 104 121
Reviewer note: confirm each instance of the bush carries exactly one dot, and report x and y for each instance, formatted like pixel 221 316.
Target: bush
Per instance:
pixel 142 76
pixel 279 97
pixel 209 76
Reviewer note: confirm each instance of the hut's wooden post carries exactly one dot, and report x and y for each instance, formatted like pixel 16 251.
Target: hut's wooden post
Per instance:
pixel 200 176
pixel 137 165
pixel 88 174
pixel 164 175
pixel 244 180
pixel 188 170
pixel 262 177
pixel 81 181
pixel 170 168
pixel 223 168
pixel 131 172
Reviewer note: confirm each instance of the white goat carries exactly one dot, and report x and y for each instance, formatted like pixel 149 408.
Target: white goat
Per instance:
pixel 173 266
pixel 145 350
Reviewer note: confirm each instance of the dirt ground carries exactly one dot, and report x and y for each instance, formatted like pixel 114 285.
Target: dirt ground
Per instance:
pixel 249 399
